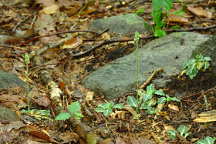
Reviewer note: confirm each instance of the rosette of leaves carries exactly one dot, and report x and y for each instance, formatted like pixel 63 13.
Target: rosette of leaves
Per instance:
pixel 107 108
pixel 145 100
pixel 73 111
pixel 194 65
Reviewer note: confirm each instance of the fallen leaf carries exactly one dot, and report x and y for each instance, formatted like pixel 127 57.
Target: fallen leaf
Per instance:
pixel 50 9
pixel 173 107
pixel 177 19
pixel 89 96
pixel 208 116
pixel 72 43
pixel 199 11
pixel 69 136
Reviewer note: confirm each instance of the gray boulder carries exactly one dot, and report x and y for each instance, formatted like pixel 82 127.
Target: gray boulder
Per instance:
pixel 7 115
pixel 9 80
pixel 121 24
pixel 169 53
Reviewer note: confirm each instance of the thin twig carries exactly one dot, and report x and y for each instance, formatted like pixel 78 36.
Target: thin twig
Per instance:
pixel 105 43
pixel 150 78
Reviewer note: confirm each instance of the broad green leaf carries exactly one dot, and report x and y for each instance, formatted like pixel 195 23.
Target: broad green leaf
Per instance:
pixel 172 134
pixel 150 89
pixel 105 108
pixel 159 33
pixel 183 130
pixel 151 110
pixel 63 116
pixel 159 4
pixel 132 101
pixel 147 104
pixel 207 140
pixel 118 106
pixel 77 115
pixel 162 100
pixel 168 98
pixel 160 92
pixel 74 107
pixel 147 97
pixel 99 109
pixel 107 112
pixel 140 11
pixel 179 12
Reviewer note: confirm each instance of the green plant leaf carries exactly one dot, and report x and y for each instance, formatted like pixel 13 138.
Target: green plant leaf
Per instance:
pixel 160 93
pixel 26 58
pixel 140 11
pixel 151 110
pixel 161 4
pixel 77 115
pixel 193 66
pixel 183 130
pixel 105 108
pixel 137 37
pixel 118 106
pixel 179 12
pixel 63 116
pixel 147 104
pixel 132 101
pixel 162 100
pixel 74 107
pixel 159 33
pixel 172 134
pixel 207 140
pixel 168 98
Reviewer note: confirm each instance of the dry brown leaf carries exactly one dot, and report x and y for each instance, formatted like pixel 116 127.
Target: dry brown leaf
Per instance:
pixel 89 96
pixel 43 101
pixel 45 3
pixel 177 19
pixel 50 9
pixel 118 115
pixel 173 107
pixel 199 11
pixel 168 127
pixel 69 136
pixel 208 116
pixel 72 43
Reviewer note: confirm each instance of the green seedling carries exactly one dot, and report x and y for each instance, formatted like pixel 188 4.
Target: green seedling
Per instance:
pixel 158 6
pixel 73 111
pixel 182 130
pixel 172 134
pixel 194 65
pixel 107 108
pixel 146 101
pixel 207 140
